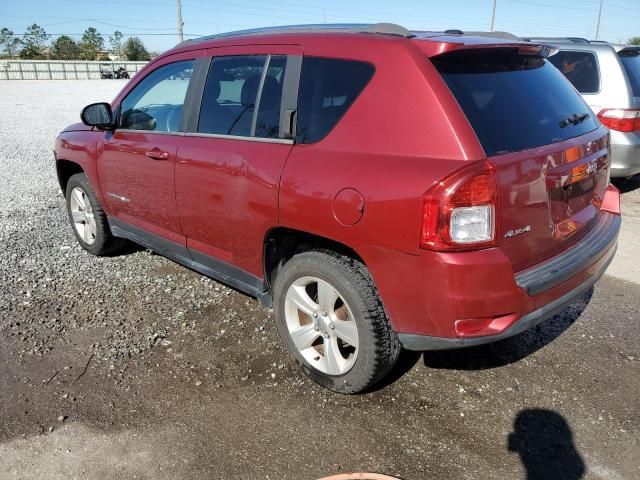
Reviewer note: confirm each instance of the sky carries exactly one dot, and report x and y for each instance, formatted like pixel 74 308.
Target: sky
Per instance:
pixel 155 21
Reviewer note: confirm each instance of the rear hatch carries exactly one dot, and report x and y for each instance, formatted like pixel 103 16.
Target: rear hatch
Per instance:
pixel 550 152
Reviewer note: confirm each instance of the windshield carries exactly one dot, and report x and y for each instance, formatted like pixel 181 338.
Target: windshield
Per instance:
pixel 631 63
pixel 514 102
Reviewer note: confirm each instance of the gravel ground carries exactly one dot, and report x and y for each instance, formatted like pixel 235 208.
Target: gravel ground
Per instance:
pixel 134 367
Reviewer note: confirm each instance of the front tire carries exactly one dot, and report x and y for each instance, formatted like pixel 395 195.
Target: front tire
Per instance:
pixel 88 220
pixel 332 321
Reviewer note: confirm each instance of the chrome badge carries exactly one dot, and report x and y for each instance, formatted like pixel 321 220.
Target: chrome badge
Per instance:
pixel 517 231
pixel 592 167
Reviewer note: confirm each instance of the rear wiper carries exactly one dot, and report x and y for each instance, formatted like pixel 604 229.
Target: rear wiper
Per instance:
pixel 574 119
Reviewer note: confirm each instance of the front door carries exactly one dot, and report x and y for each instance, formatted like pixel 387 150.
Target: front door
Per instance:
pixel 229 163
pixel 136 162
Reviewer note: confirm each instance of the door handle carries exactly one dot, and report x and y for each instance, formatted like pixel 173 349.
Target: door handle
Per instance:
pixel 157 155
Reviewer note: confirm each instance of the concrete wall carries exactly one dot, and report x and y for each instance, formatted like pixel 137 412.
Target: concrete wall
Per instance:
pixel 59 69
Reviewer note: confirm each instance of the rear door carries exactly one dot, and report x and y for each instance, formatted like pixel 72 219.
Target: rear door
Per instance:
pixel 230 161
pixel 550 152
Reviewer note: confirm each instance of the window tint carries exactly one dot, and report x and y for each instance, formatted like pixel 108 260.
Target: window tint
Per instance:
pixel 156 102
pixel 514 102
pixel 328 87
pixel 631 63
pixel 580 68
pixel 231 91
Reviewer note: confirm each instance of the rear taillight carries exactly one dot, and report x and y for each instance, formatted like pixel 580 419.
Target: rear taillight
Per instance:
pixel 459 212
pixel 621 119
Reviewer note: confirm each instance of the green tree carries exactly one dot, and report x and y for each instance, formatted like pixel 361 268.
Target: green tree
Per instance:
pixel 134 50
pixel 9 43
pixel 91 44
pixel 634 40
pixel 65 48
pixel 34 43
pixel 116 44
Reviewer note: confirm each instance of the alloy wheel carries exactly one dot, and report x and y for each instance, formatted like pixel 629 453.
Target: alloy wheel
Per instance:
pixel 321 325
pixel 82 215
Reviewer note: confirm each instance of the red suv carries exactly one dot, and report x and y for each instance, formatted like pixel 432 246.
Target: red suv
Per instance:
pixel 379 188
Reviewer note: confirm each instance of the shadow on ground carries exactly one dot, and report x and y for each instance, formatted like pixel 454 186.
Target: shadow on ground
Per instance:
pixel 544 441
pixel 628 184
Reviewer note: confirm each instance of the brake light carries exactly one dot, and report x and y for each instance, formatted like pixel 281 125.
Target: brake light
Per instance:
pixel 458 213
pixel 621 119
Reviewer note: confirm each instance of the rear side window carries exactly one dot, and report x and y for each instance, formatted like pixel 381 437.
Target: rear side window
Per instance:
pixel 155 104
pixel 631 63
pixel 235 85
pixel 514 102
pixel 580 68
pixel 328 87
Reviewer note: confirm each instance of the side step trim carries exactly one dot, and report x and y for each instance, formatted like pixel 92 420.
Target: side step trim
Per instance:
pixel 201 263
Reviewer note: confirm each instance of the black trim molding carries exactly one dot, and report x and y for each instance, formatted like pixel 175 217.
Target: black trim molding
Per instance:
pixel 201 263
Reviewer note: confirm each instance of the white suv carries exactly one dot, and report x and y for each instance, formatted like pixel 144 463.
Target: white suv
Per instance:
pixel 608 78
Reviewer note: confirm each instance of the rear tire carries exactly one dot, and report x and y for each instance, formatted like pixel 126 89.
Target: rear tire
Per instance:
pixel 328 302
pixel 88 220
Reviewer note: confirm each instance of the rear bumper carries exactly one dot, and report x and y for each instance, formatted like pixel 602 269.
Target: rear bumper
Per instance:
pixel 625 154
pixel 559 269
pixel 425 342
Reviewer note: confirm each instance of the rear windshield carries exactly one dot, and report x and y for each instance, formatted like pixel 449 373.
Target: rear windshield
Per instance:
pixel 514 102
pixel 631 63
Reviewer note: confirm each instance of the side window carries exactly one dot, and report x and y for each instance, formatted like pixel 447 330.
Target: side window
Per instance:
pixel 328 87
pixel 231 95
pixel 580 68
pixel 155 104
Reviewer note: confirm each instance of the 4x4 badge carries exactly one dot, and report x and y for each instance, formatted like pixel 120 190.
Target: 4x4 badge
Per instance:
pixel 517 231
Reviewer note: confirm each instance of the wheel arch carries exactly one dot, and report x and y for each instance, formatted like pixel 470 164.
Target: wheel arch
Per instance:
pixel 282 243
pixel 65 169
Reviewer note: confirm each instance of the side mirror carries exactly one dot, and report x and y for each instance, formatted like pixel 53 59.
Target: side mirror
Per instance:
pixel 98 115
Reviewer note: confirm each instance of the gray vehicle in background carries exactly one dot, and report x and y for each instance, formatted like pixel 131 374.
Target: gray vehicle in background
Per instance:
pixel 608 77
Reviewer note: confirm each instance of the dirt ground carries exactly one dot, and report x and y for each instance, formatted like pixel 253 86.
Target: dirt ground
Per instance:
pixel 134 367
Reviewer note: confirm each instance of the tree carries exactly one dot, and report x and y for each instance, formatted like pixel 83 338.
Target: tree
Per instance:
pixel 634 40
pixel 91 44
pixel 116 44
pixel 64 48
pixel 9 43
pixel 134 50
pixel 34 42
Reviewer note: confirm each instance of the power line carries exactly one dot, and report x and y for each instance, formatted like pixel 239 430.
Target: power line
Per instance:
pixel 553 6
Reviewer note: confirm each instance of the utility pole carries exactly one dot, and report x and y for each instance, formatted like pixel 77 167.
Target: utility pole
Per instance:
pixel 493 16
pixel 180 24
pixel 599 17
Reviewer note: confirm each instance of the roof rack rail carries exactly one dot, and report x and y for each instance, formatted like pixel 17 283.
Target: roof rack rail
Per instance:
pixel 381 28
pixel 497 34
pixel 556 39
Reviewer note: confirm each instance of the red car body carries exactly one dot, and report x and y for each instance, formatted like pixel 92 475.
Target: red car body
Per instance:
pixel 362 187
